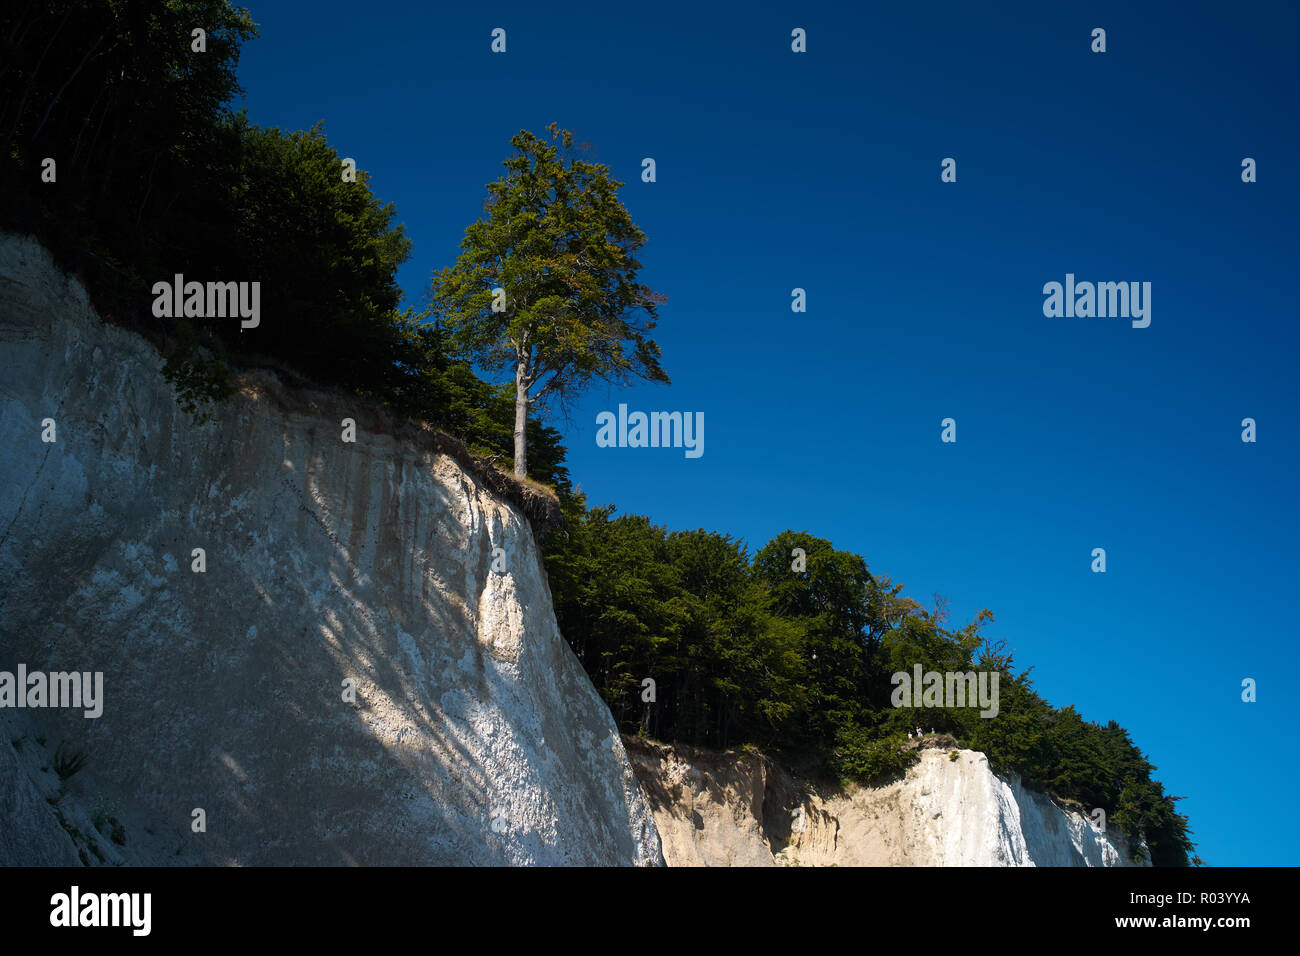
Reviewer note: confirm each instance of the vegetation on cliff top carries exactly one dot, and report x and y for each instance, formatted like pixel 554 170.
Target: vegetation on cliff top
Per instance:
pixel 749 650
pixel 154 175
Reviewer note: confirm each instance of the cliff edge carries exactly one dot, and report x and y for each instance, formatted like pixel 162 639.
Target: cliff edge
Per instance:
pixel 362 666
pixel 950 809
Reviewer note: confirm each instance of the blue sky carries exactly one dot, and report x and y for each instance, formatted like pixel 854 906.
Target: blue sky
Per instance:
pixel 821 171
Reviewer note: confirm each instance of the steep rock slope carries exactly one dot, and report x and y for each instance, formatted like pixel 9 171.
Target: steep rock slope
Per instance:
pixel 717 809
pixel 475 736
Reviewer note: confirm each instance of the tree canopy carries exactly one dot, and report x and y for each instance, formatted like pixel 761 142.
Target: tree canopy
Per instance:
pixel 546 283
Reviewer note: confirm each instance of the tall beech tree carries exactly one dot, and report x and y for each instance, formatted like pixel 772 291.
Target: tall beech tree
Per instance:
pixel 546 283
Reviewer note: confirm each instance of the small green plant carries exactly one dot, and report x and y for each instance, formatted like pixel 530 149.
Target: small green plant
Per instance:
pixel 198 382
pixel 953 755
pixel 68 760
pixel 858 757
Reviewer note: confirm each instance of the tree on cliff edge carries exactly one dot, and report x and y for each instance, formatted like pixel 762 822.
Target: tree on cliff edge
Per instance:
pixel 546 283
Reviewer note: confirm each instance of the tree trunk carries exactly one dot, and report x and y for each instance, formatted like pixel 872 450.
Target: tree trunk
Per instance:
pixel 30 84
pixel 65 86
pixel 521 418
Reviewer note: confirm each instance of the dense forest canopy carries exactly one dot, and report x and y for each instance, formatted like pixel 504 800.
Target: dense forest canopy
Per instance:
pixel 154 174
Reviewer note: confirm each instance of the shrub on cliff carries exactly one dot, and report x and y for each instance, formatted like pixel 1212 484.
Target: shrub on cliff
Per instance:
pixel 859 755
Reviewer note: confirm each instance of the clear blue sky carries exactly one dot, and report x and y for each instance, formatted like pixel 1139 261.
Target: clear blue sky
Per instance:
pixel 821 170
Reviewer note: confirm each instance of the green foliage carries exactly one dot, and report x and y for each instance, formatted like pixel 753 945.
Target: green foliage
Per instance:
pixel 562 247
pixel 112 91
pixel 860 755
pixel 326 253
pixel 156 176
pixel 199 382
pixel 799 662
pixel 561 244
pixel 636 601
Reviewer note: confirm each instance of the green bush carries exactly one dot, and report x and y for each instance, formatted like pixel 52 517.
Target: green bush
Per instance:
pixel 859 757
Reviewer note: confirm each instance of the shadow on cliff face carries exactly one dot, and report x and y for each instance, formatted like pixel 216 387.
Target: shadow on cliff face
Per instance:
pixel 322 562
pixel 408 645
pixel 236 703
pixel 247 720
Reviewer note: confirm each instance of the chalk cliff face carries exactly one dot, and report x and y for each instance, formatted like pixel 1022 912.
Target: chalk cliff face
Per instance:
pixel 474 738
pixel 719 809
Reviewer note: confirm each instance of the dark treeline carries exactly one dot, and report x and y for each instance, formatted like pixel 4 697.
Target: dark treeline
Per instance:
pixel 154 174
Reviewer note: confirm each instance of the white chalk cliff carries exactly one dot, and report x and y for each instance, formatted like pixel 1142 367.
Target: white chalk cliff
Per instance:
pixel 475 736
pixel 736 808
